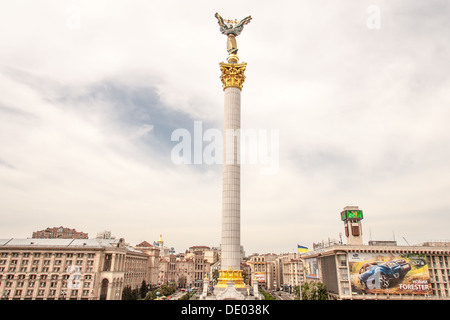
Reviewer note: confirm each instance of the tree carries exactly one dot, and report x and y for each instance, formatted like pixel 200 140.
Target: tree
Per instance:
pixel 126 293
pixel 143 290
pixel 314 291
pixel 129 294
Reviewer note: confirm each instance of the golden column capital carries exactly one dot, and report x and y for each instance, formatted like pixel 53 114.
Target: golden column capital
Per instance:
pixel 232 74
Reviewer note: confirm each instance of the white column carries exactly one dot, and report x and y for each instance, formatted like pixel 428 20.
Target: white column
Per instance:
pixel 231 225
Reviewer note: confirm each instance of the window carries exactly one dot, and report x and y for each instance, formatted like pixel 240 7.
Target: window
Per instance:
pixel 342 260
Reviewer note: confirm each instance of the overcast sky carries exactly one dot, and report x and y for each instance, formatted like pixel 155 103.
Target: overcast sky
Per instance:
pixel 91 91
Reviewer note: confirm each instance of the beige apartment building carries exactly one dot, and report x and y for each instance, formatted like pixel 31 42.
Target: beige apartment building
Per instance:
pixel 185 270
pixel 263 268
pixel 289 271
pixel 69 269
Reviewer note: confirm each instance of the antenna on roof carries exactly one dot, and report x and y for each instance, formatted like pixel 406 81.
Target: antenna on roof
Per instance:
pixel 406 241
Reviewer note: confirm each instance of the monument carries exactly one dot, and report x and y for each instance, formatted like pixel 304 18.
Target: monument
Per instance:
pixel 230 282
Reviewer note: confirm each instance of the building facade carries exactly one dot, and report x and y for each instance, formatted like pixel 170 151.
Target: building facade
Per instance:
pixel 264 269
pixel 289 271
pixel 184 270
pixel 382 272
pixel 153 264
pixel 59 232
pixel 63 269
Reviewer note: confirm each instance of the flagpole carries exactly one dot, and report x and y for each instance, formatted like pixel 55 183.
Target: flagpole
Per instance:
pixel 299 282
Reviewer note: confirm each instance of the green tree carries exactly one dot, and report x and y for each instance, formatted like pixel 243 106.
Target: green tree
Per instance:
pixel 266 295
pixel 314 291
pixel 126 293
pixel 143 290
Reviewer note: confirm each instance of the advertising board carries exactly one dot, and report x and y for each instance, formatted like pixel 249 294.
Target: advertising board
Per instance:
pixel 311 268
pixel 393 273
pixel 260 276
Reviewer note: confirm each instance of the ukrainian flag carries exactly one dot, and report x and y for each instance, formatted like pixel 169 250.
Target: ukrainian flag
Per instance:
pixel 301 248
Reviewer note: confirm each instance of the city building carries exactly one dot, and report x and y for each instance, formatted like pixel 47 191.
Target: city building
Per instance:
pixel 289 271
pixel 59 232
pixel 184 270
pixel 381 270
pixel 263 268
pixel 74 269
pixel 153 263
pixel 105 235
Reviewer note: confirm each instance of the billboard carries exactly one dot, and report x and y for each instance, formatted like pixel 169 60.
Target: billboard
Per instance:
pixel 260 276
pixel 393 273
pixel 311 268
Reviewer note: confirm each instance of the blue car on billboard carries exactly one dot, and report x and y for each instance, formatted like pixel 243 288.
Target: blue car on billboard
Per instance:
pixel 381 276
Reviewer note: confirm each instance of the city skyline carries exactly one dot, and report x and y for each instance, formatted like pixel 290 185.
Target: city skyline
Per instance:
pixel 91 93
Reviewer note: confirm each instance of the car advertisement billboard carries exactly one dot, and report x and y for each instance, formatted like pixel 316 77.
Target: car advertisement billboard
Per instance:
pixel 393 273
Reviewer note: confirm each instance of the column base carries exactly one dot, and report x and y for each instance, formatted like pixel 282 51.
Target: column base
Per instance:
pixel 230 275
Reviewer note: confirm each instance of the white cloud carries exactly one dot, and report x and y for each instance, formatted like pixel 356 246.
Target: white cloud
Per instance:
pixel 362 118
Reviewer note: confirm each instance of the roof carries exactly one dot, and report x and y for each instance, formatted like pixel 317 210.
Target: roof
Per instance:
pixel 144 244
pixel 64 243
